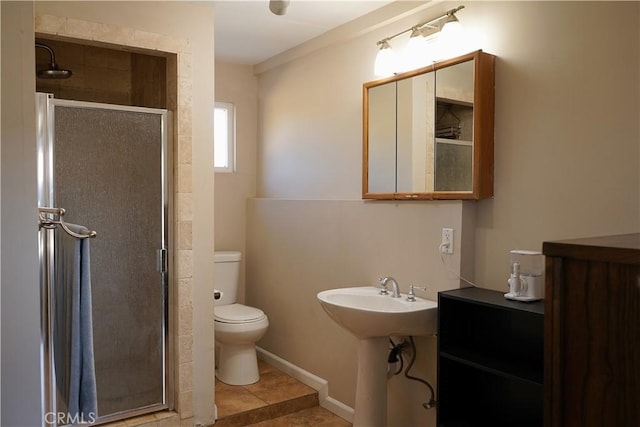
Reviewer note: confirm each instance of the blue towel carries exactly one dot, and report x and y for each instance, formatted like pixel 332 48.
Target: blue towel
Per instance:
pixel 73 326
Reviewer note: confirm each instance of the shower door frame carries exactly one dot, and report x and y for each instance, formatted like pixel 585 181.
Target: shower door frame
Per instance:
pixel 45 122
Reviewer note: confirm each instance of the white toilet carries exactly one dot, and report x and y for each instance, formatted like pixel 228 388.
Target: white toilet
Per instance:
pixel 237 327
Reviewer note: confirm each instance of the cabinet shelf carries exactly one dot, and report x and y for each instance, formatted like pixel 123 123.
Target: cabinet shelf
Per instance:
pixel 454 141
pixel 515 371
pixel 453 101
pixel 490 359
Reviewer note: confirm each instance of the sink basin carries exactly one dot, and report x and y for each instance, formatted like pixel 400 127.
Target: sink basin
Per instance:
pixel 372 318
pixel 367 314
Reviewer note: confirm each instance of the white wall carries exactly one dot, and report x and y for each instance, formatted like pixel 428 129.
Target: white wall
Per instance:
pixel 567 164
pixel 21 372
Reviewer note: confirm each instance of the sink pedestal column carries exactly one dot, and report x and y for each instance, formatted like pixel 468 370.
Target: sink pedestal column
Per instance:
pixel 371 385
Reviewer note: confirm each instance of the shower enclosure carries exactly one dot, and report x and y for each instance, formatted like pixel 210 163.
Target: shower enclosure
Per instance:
pixel 106 166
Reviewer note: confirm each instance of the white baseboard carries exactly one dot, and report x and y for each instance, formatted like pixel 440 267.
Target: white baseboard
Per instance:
pixel 338 408
pixel 319 384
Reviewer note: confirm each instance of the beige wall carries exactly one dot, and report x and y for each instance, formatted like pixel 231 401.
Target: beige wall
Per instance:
pixel 567 141
pixel 187 31
pixel 566 101
pixel 21 374
pixel 162 27
pixel 567 164
pixel 297 248
pixel 237 84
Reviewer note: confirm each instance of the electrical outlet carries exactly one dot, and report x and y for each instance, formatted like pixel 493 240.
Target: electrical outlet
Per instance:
pixel 447 241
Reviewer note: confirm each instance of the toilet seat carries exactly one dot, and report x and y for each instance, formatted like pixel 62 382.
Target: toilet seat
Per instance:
pixel 237 314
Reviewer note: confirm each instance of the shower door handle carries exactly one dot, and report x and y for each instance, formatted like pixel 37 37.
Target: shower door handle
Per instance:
pixel 162 261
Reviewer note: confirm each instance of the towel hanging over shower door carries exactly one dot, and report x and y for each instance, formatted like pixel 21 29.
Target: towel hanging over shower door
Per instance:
pixel 73 325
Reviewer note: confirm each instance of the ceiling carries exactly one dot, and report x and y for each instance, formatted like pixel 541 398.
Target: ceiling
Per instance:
pixel 246 32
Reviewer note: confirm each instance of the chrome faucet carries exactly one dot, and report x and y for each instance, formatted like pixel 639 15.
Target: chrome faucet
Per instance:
pixel 395 290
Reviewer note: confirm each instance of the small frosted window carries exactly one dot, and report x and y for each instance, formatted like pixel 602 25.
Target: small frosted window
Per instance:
pixel 224 137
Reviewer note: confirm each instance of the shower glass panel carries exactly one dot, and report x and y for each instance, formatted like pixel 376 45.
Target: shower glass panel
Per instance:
pixel 106 166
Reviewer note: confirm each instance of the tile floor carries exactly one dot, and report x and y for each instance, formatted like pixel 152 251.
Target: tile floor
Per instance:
pixel 277 400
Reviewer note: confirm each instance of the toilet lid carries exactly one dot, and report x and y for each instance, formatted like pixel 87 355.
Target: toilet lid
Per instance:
pixel 237 313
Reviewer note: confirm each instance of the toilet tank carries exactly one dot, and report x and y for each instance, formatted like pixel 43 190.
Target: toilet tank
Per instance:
pixel 225 275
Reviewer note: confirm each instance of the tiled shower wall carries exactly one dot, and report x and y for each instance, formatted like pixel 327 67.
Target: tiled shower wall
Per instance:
pixel 179 101
pixel 104 74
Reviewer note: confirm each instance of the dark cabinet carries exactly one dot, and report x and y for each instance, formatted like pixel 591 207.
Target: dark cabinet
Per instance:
pixel 490 360
pixel 592 327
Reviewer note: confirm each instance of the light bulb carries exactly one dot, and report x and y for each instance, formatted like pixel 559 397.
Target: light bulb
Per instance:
pixel 452 38
pixel 452 30
pixel 385 61
pixel 415 54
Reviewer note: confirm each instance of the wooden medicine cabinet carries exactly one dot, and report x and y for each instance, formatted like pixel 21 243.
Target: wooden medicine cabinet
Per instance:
pixel 428 133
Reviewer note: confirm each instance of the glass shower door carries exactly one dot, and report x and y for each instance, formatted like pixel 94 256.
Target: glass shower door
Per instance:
pixel 106 166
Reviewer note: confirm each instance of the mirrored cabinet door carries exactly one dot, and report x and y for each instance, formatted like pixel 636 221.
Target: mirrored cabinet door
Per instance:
pixel 415 111
pixel 454 128
pixel 382 140
pixel 428 134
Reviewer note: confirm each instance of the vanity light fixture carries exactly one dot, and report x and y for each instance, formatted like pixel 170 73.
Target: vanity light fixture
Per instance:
pixel 386 62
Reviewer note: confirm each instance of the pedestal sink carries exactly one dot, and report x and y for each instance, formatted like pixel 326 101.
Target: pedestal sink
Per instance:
pixel 372 318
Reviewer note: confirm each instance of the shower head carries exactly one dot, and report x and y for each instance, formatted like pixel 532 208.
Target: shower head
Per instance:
pixel 53 72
